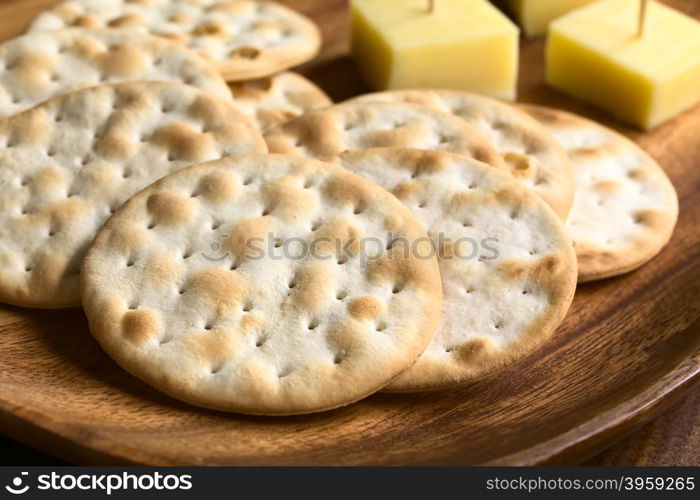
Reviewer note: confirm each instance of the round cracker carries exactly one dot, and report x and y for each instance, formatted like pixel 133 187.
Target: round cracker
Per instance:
pixel 528 149
pixel 626 207
pixel 277 99
pixel 68 163
pixel 326 133
pixel 246 39
pixel 39 66
pixel 178 294
pixel 508 267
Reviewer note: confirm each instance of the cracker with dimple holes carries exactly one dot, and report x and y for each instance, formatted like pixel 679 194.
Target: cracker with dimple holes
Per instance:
pixel 224 285
pixel 39 66
pixel 67 164
pixel 326 133
pixel 625 208
pixel 528 149
pixel 246 39
pixel 508 267
pixel 275 100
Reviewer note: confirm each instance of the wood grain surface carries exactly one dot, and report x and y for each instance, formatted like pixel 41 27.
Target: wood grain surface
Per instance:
pixel 628 350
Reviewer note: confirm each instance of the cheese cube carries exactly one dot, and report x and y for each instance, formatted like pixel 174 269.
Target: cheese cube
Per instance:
pixel 462 44
pixel 534 16
pixel 595 54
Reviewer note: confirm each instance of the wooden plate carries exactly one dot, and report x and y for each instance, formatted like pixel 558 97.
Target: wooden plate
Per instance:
pixel 629 347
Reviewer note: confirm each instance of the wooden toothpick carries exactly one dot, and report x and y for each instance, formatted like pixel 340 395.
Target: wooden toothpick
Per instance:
pixel 643 7
pixel 431 6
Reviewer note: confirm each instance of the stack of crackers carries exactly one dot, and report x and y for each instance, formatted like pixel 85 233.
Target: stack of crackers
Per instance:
pixel 242 244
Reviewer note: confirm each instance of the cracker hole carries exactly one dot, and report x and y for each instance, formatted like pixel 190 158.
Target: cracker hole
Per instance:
pixel 467 224
pixel 247 307
pixel 498 325
pixel 278 243
pixel 248 181
pixel 292 284
pixel 132 306
pixel 284 373
pixel 397 289
pixel 151 225
pixel 209 327
pixel 443 139
pixel 343 260
pixel 381 326
pixel 52 232
pixel 24 182
pixel 130 262
pixel 265 212
pixel 126 174
pixel 234 266
pixel 338 359
pixel 54 78
pixel 315 225
pixel 525 292
pixel 51 152
pixel 215 225
pixel 308 183
pixel 358 210
pixel 533 252
pixel 260 342
pixel 469 291
pixel 181 291
pixel 187 254
pixel 423 204
pixel 342 295
pixel 216 369
pixel 28 269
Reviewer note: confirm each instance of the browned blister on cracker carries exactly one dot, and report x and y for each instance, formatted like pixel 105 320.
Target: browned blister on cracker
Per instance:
pixel 529 151
pixel 237 305
pixel 508 267
pixel 67 164
pixel 42 65
pixel 245 39
pixel 625 208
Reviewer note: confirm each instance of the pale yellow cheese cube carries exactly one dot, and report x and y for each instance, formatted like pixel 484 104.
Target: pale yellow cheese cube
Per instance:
pixel 462 44
pixel 595 54
pixel 534 16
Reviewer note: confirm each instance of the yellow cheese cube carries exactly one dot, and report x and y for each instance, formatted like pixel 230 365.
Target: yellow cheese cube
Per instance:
pixel 462 44
pixel 595 54
pixel 534 16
